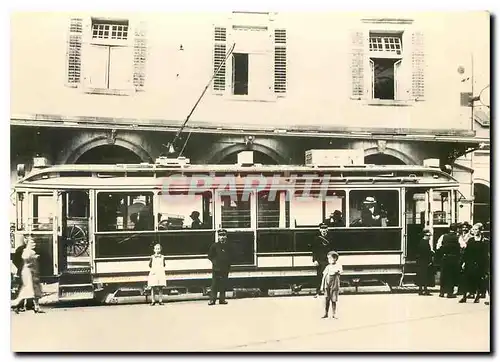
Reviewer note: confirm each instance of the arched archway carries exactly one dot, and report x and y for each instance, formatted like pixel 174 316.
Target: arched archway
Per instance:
pixel 383 159
pixel 482 203
pixel 108 154
pixel 101 151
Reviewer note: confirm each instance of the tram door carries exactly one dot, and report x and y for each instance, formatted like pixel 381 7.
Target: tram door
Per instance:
pixel 235 212
pixel 416 219
pixel 73 229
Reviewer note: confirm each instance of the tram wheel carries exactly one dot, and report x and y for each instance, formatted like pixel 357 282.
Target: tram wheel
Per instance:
pixel 77 240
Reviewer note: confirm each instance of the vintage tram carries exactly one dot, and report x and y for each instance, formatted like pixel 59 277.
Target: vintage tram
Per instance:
pixel 95 225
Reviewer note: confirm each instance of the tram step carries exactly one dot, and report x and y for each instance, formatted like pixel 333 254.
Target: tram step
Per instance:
pixel 76 292
pixel 78 270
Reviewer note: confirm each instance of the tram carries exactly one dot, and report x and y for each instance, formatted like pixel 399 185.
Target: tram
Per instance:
pixel 95 225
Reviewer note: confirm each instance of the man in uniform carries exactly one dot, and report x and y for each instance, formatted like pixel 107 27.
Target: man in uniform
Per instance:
pixel 450 262
pixel 220 257
pixel 320 247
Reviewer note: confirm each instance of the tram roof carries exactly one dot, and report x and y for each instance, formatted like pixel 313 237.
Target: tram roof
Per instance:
pixel 149 174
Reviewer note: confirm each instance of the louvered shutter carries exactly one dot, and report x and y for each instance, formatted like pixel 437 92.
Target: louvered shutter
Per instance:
pixel 74 52
pixel 140 55
pixel 220 37
pixel 418 66
pixel 357 64
pixel 280 66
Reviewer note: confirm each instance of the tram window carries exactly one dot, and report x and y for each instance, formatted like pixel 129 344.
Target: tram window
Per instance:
pixel 78 204
pixel 117 211
pixel 307 210
pixel 374 208
pixel 415 208
pixel 235 210
pixel 43 212
pixel 184 210
pixel 441 207
pixel 273 210
pixel 335 208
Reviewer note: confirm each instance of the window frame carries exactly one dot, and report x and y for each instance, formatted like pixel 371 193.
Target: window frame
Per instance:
pixel 283 200
pixel 218 210
pixel 156 211
pixel 125 191
pixel 345 213
pixel 400 213
pixel 396 80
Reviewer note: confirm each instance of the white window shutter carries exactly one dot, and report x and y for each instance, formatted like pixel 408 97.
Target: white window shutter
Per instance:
pixel 140 56
pixel 418 66
pixel 220 37
pixel 120 68
pixel 280 63
pixel 260 67
pixel 74 52
pixel 357 64
pixel 96 67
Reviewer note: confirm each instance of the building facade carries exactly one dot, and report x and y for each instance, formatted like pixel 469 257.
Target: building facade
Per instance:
pixel 115 88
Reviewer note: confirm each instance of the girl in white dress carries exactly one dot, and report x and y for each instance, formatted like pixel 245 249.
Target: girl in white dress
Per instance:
pixel 157 279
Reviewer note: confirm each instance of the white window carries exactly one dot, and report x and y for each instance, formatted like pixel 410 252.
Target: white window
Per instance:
pixel 252 63
pixel 386 55
pixel 105 29
pixel 108 59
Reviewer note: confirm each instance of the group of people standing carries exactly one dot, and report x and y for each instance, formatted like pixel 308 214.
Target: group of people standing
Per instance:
pixel 464 257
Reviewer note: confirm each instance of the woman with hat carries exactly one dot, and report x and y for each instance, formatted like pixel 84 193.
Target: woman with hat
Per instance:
pixel 369 215
pixel 475 262
pixel 195 216
pixel 424 263
pixel 31 289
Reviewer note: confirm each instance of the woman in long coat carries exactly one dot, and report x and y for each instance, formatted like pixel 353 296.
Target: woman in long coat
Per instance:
pixel 31 288
pixel 475 263
pixel 424 262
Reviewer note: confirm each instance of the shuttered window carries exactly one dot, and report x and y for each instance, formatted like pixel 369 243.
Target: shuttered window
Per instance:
pixel 418 66
pixel 280 67
pixel 74 52
pixel 140 54
pixel 357 64
pixel 219 83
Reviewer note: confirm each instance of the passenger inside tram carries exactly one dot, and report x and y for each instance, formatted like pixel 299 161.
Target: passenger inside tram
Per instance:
pixel 196 224
pixel 335 219
pixel 368 209
pixel 182 211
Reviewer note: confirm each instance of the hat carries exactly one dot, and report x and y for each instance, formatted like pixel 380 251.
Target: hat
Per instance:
pixel 426 231
pixel 222 232
pixel 194 214
pixel 369 200
pixel 323 226
pixel 333 253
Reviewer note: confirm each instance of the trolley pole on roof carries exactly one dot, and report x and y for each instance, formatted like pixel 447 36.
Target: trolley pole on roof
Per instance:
pixel 171 145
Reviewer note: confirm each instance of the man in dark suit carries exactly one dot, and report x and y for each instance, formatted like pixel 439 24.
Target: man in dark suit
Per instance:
pixel 220 257
pixel 450 262
pixel 320 247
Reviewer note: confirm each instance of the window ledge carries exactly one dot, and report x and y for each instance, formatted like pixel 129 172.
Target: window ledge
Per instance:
pixel 389 102
pixel 243 98
pixel 113 92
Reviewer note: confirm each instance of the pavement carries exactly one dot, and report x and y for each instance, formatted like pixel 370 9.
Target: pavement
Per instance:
pixel 366 323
